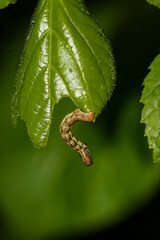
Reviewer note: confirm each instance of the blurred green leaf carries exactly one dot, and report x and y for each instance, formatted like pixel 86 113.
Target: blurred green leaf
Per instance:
pixel 66 55
pixel 151 111
pixel 5 3
pixel 154 2
pixel 49 191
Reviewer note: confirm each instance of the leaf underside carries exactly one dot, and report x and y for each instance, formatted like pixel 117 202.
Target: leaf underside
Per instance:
pixel 5 3
pixel 151 111
pixel 66 55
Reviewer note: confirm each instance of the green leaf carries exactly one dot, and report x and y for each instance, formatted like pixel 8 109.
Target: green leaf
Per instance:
pixel 66 55
pixel 5 3
pixel 151 111
pixel 154 2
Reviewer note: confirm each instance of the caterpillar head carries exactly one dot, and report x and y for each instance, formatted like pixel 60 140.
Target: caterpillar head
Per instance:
pixel 86 157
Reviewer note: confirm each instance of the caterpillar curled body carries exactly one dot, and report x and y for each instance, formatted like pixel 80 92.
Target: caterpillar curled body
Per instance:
pixel 65 129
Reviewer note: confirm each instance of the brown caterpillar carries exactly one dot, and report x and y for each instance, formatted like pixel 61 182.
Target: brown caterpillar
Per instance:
pixel 65 129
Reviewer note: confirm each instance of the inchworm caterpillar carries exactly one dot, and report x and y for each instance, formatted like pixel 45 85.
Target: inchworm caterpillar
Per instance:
pixel 65 129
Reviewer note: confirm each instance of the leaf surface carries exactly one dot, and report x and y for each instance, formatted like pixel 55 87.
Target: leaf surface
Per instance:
pixel 66 55
pixel 151 111
pixel 5 3
pixel 154 2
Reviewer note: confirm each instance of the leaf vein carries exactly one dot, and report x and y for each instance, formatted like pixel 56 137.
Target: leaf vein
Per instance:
pixel 87 45
pixel 30 90
pixel 67 14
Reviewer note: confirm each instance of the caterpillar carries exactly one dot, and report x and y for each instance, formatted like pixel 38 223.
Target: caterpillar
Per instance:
pixel 66 134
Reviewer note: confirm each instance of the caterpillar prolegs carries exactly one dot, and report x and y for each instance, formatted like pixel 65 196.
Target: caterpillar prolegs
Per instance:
pixel 65 129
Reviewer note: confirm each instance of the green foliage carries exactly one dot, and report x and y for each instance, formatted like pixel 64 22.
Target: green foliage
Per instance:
pixel 48 193
pixel 154 2
pixel 5 3
pixel 151 111
pixel 151 99
pixel 66 55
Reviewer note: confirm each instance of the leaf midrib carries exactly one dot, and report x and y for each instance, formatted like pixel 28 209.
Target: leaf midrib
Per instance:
pixel 74 25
